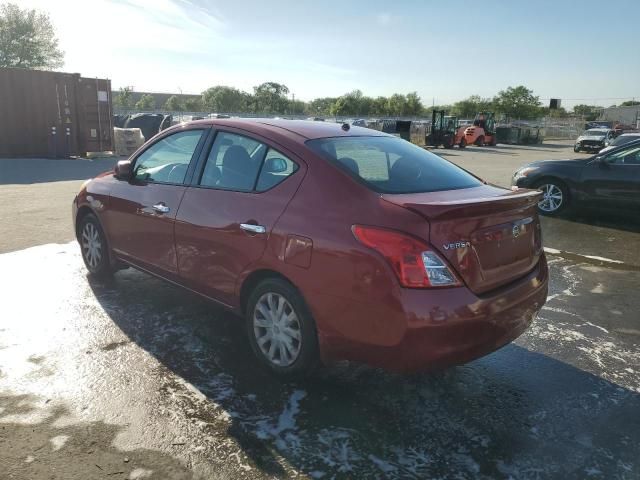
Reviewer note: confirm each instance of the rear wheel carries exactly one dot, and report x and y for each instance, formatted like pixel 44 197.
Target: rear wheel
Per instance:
pixel 555 197
pixel 93 245
pixel 493 141
pixel 480 141
pixel 281 330
pixel 463 143
pixel 576 148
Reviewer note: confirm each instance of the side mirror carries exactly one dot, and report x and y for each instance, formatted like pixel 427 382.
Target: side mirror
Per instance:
pixel 123 170
pixel 275 165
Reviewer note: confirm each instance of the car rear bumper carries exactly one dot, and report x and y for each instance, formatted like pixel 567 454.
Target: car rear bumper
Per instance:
pixel 443 327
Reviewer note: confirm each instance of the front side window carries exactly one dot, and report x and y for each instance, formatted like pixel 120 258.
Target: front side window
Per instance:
pixel 167 160
pixel 392 165
pixel 627 156
pixel 233 162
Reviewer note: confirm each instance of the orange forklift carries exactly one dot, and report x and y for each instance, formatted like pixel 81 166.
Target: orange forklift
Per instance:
pixel 483 130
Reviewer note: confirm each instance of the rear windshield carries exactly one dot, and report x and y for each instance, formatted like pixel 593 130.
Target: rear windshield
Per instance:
pixel 392 165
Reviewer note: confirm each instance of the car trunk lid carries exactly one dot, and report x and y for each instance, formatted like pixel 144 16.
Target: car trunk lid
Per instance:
pixel 491 236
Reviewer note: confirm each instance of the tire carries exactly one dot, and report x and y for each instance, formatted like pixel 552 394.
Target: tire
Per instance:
pixel 556 196
pixel 493 141
pixel 463 143
pixel 94 247
pixel 576 148
pixel 479 141
pixel 295 352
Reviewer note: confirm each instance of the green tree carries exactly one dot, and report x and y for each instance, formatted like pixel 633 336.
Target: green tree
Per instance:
pixel 297 107
pixel 629 103
pixel 124 99
pixel 413 105
pixel 193 104
pixel 379 106
pixel 348 104
pixel 517 102
pixel 146 102
pixel 320 106
pixel 27 39
pixel 468 107
pixel 396 105
pixel 589 112
pixel 270 97
pixel 224 99
pixel 173 104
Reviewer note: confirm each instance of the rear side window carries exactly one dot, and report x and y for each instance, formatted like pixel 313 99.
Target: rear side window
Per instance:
pixel 167 160
pixel 233 163
pixel 276 169
pixel 392 165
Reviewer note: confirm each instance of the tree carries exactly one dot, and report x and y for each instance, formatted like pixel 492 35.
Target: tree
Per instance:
pixel 173 104
pixel 27 39
pixel 123 99
pixel 589 112
pixel 517 102
pixel 413 105
pixel 348 104
pixel 146 102
pixel 193 104
pixel 468 107
pixel 270 97
pixel 629 103
pixel 396 105
pixel 224 99
pixel 320 106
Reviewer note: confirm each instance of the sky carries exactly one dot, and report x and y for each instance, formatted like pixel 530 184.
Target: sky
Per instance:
pixel 580 52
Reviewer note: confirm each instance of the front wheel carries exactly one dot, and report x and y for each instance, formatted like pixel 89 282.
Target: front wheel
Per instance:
pixel 576 148
pixel 463 143
pixel 93 245
pixel 555 197
pixel 281 330
pixel 480 141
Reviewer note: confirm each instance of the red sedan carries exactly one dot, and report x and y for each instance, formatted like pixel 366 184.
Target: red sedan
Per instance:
pixel 332 242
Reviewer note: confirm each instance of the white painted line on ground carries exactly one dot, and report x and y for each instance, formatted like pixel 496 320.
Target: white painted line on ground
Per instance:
pixel 555 251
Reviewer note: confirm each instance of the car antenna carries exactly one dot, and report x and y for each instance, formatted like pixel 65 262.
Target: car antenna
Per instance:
pixel 345 127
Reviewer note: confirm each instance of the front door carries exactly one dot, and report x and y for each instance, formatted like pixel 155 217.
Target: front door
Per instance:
pixel 142 211
pixel 615 180
pixel 227 215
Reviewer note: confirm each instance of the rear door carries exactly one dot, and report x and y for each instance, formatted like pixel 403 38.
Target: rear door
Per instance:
pixel 142 211
pixel 227 214
pixel 614 182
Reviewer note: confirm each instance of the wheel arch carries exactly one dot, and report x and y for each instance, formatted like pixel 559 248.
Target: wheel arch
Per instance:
pixel 253 279
pixel 83 211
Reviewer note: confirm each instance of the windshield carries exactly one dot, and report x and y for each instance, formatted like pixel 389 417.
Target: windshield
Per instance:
pixel 621 140
pixel 392 165
pixel 595 133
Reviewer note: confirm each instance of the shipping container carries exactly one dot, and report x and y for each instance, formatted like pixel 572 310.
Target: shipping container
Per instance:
pixel 53 114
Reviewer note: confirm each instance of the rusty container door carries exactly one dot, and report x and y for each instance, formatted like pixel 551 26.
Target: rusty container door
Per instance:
pixel 96 115
pixel 38 114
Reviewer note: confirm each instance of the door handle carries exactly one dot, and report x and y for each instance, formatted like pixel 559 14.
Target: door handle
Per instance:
pixel 161 208
pixel 249 227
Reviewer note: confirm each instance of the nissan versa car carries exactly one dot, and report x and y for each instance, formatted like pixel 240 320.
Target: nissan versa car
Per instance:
pixel 332 242
pixel 608 180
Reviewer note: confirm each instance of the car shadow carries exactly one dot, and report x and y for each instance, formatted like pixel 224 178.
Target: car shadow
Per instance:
pixel 617 220
pixel 42 170
pixel 516 413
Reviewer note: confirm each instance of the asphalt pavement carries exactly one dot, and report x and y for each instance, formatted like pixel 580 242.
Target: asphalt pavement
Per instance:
pixel 136 378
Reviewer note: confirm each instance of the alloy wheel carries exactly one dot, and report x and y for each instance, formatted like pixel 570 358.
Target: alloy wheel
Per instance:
pixel 91 245
pixel 277 329
pixel 552 198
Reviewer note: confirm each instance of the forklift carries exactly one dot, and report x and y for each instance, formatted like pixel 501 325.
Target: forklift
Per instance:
pixel 444 131
pixel 483 130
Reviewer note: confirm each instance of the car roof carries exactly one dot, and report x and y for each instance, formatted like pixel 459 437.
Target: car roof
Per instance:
pixel 631 134
pixel 601 129
pixel 303 129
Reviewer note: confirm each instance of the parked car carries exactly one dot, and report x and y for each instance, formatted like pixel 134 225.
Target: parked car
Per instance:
pixel 609 180
pixel 333 242
pixel 621 140
pixel 594 139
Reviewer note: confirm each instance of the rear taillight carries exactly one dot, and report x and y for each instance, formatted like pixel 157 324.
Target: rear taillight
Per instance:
pixel 413 261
